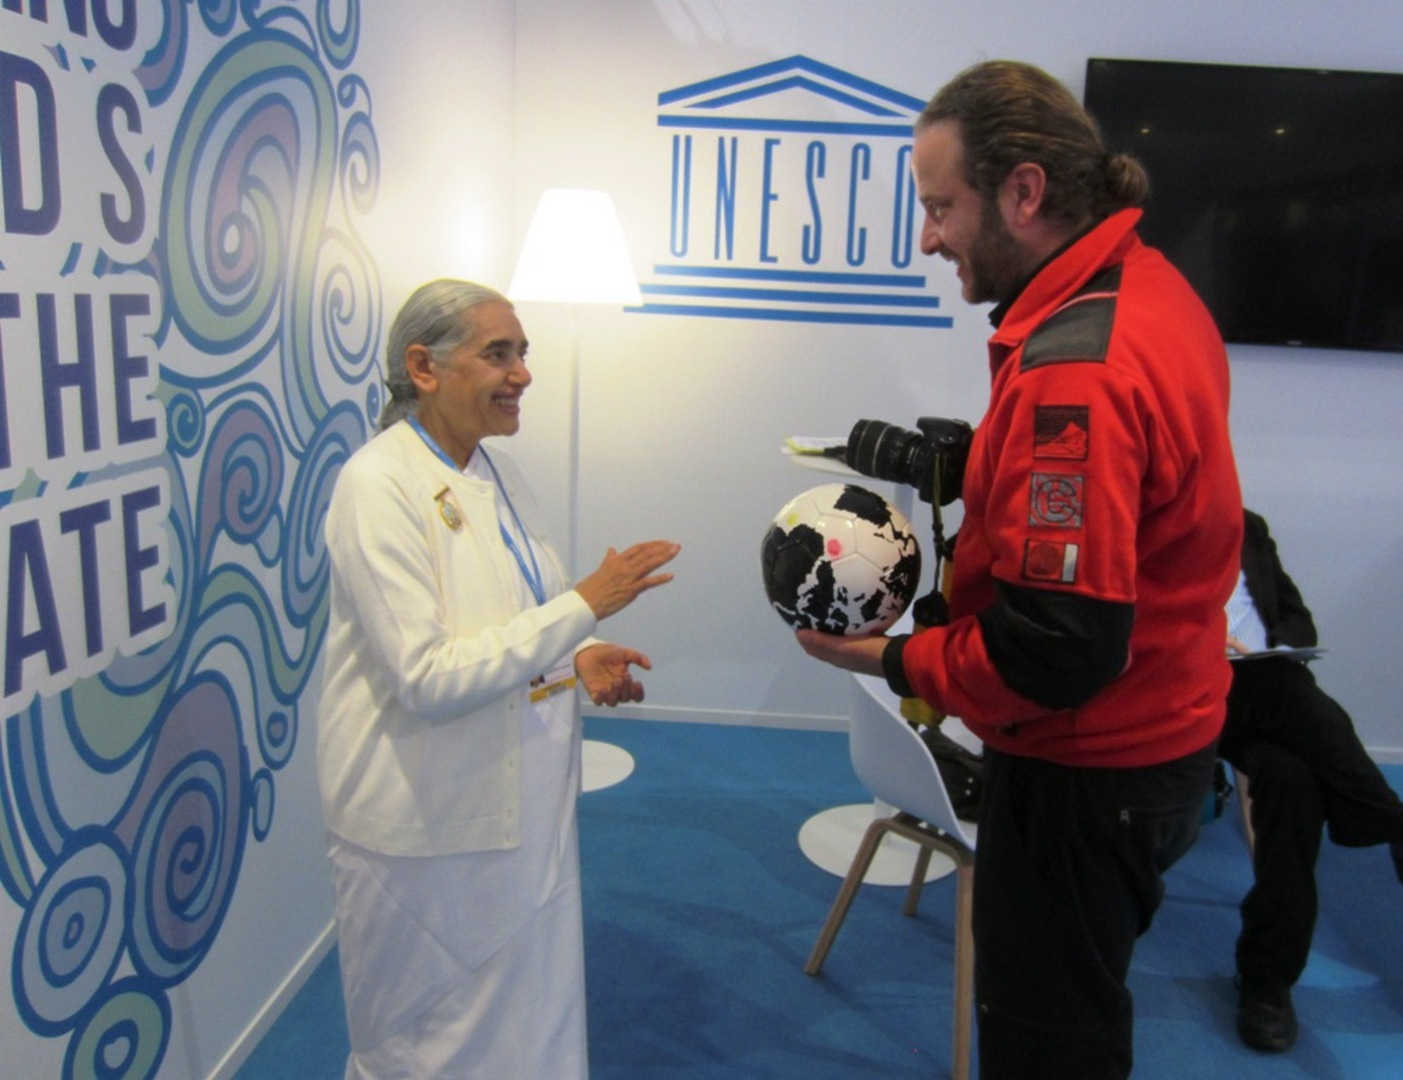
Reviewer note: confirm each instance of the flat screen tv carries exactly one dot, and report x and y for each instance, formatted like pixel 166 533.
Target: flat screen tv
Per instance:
pixel 1278 192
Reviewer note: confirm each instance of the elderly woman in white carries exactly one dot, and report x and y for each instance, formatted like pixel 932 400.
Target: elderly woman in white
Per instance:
pixel 448 746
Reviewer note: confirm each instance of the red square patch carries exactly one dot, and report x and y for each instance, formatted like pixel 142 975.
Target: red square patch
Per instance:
pixel 1050 560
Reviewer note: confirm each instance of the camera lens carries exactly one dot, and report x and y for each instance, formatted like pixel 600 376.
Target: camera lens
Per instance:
pixel 888 452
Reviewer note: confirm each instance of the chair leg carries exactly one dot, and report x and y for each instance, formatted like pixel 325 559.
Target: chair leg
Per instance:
pixel 861 861
pixel 918 879
pixel 964 920
pixel 964 967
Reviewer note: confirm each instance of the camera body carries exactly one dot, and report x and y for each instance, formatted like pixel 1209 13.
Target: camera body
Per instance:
pixel 931 459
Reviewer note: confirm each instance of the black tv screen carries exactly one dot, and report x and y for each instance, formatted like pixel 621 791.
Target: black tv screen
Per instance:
pixel 1278 192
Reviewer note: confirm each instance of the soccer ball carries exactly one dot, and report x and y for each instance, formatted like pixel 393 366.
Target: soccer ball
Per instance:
pixel 840 559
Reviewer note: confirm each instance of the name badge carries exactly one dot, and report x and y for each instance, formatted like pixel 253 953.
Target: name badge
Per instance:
pixel 556 681
pixel 550 689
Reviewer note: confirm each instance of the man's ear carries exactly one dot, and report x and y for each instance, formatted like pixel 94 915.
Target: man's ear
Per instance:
pixel 419 363
pixel 1021 194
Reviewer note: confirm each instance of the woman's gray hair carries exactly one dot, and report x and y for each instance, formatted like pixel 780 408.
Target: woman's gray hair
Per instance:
pixel 438 316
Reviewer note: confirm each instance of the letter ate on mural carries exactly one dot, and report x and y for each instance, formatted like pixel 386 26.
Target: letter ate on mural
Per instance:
pixel 86 577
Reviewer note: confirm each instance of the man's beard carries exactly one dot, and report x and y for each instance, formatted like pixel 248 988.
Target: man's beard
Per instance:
pixel 995 262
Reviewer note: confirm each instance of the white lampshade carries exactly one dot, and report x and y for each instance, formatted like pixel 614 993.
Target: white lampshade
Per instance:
pixel 575 252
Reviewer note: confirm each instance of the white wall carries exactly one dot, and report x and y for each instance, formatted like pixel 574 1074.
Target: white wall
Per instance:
pixel 682 416
pixel 442 80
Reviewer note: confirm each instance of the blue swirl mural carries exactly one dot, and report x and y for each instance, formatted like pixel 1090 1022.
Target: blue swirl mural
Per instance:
pixel 266 342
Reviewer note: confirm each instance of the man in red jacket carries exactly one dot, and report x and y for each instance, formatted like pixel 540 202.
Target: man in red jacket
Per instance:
pixel 1100 541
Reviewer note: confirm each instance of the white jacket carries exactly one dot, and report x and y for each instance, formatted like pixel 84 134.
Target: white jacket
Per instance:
pixel 429 653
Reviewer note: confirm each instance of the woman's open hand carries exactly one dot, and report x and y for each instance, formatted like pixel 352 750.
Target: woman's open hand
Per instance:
pixel 624 574
pixel 604 671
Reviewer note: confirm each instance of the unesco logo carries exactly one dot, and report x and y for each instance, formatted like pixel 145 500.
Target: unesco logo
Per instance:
pixel 791 199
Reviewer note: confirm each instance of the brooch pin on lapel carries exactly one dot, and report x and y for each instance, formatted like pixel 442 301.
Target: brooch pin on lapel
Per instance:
pixel 448 510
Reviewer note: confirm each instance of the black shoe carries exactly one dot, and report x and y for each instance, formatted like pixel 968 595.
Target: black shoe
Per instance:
pixel 1266 1019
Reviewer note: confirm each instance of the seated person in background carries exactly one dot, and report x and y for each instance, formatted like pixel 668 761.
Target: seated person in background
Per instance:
pixel 1306 768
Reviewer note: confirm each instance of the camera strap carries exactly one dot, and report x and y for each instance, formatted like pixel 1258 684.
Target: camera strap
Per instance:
pixel 934 609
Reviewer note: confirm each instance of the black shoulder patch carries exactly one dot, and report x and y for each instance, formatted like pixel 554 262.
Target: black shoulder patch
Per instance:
pixel 1080 330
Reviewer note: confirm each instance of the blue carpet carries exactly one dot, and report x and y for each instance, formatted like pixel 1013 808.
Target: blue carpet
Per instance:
pixel 700 911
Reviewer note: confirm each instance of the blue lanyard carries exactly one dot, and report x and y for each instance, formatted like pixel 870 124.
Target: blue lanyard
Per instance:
pixel 534 581
pixel 429 442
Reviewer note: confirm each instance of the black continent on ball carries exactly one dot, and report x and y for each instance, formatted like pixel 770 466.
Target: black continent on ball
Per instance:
pixel 785 561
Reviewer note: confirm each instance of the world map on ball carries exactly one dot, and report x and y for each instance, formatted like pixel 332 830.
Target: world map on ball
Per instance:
pixel 840 559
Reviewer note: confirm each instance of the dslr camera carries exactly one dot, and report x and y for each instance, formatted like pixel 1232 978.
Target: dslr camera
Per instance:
pixel 931 459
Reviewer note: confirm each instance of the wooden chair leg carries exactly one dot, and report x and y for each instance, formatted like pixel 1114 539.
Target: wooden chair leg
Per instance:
pixel 918 879
pixel 856 872
pixel 964 967
pixel 964 916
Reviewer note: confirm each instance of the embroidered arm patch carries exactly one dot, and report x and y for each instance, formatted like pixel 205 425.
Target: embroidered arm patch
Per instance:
pixel 1050 560
pixel 1061 432
pixel 1055 500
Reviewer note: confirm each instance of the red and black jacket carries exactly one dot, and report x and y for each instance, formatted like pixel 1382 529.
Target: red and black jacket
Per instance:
pixel 1103 521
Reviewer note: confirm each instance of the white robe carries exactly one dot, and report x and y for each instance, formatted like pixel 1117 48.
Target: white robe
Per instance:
pixel 472 965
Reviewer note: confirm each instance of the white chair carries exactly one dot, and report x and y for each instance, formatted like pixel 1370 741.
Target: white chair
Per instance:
pixel 894 765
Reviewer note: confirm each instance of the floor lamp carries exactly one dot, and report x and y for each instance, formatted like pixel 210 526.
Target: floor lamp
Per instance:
pixel 575 253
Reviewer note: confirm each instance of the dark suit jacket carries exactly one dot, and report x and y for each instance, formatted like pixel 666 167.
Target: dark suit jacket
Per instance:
pixel 1275 595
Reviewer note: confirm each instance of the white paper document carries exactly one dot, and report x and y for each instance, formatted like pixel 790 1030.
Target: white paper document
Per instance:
pixel 1305 653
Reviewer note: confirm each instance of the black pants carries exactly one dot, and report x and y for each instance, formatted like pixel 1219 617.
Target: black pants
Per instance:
pixel 1067 875
pixel 1307 769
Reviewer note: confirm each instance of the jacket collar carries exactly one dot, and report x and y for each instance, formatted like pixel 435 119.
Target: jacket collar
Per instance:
pixel 433 461
pixel 999 310
pixel 1061 276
